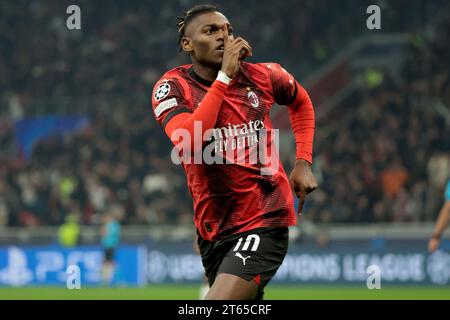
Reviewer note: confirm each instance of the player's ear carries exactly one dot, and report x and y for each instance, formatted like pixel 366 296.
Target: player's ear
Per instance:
pixel 186 44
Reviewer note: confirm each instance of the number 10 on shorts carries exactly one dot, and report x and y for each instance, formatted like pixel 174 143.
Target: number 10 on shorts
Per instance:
pixel 250 238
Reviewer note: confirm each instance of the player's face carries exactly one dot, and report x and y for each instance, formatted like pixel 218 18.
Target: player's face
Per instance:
pixel 204 38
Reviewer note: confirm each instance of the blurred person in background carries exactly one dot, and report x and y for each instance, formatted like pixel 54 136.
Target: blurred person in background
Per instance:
pixel 110 233
pixel 69 232
pixel 236 204
pixel 442 222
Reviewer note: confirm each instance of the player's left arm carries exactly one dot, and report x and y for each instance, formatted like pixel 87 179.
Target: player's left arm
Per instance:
pixel 287 91
pixel 301 114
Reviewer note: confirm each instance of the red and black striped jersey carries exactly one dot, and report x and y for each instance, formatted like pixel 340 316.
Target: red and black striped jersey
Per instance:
pixel 243 194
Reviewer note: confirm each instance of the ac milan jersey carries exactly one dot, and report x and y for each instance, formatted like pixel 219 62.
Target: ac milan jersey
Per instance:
pixel 236 196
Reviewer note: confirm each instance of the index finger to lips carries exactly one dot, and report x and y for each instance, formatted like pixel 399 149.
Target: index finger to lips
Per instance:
pixel 226 40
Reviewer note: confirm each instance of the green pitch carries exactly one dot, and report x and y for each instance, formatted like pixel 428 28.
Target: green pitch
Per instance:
pixel 190 292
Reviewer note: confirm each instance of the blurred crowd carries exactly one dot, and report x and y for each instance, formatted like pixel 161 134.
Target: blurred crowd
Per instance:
pixel 385 160
pixel 388 158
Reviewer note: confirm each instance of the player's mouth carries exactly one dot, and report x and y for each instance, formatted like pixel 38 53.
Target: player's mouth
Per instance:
pixel 220 48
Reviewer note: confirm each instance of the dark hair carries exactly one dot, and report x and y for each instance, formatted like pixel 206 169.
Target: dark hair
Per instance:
pixel 189 15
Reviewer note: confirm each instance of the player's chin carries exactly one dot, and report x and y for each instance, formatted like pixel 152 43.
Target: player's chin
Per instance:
pixel 217 54
pixel 216 62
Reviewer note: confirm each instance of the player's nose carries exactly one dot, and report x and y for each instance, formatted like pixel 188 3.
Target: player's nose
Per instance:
pixel 220 35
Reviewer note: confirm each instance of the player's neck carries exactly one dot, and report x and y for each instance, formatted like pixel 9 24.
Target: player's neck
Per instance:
pixel 206 73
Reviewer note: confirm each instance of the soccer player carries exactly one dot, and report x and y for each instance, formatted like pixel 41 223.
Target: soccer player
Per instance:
pixel 110 240
pixel 69 232
pixel 441 223
pixel 241 212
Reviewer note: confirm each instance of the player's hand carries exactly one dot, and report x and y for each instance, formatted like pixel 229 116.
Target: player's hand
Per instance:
pixel 302 181
pixel 235 50
pixel 433 244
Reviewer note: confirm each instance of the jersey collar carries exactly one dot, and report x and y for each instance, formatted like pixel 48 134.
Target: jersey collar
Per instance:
pixel 199 79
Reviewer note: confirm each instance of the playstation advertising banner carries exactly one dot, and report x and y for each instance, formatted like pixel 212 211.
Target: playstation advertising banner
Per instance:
pixel 341 262
pixel 49 265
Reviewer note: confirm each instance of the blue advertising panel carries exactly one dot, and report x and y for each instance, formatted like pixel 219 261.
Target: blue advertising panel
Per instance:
pixel 338 262
pixel 341 262
pixel 346 262
pixel 47 265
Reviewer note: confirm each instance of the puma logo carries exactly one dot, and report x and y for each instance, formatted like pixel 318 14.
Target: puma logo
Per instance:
pixel 240 256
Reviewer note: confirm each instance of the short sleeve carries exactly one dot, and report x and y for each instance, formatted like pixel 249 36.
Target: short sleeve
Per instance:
pixel 168 100
pixel 283 84
pixel 447 192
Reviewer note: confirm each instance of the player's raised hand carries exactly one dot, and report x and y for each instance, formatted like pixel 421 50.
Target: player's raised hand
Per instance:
pixel 235 50
pixel 302 181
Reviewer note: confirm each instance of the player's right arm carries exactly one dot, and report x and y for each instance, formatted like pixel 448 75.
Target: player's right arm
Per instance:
pixel 441 223
pixel 174 111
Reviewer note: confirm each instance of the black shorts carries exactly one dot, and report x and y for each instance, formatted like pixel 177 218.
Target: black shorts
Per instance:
pixel 109 255
pixel 252 255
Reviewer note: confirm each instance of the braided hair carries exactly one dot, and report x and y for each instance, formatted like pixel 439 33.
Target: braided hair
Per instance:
pixel 189 15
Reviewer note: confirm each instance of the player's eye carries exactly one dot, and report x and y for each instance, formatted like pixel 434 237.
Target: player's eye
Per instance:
pixel 211 30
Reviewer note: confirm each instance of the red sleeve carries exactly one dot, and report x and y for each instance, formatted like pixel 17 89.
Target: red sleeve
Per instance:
pixel 206 112
pixel 172 109
pixel 301 114
pixel 287 91
pixel 283 84
pixel 168 100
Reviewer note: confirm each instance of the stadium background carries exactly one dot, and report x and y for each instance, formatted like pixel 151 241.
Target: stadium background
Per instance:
pixel 77 139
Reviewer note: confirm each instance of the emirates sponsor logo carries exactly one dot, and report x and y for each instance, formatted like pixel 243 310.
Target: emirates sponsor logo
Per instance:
pixel 236 136
pixel 248 143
